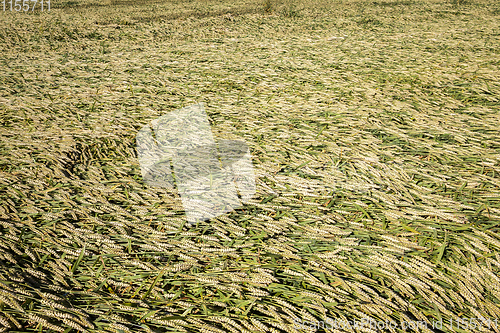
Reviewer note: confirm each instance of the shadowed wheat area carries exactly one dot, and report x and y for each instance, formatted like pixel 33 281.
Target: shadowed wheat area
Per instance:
pixel 374 133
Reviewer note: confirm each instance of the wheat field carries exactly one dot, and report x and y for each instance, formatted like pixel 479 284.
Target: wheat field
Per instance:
pixel 374 133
